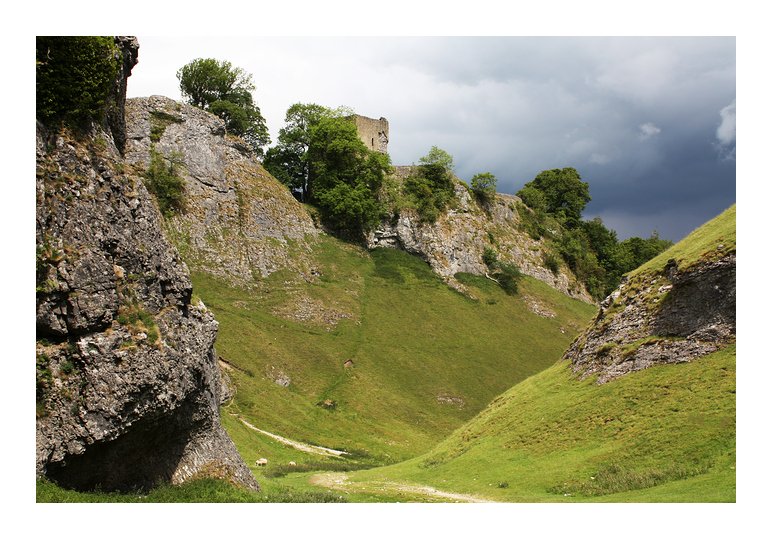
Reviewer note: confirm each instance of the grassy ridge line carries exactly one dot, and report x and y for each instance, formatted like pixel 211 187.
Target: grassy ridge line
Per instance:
pixel 715 239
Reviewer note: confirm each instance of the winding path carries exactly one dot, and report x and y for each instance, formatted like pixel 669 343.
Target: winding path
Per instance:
pixel 315 449
pixel 339 481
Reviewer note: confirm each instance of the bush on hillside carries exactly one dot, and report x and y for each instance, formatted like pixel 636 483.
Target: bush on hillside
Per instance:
pixel 484 187
pixel 164 183
pixel 506 274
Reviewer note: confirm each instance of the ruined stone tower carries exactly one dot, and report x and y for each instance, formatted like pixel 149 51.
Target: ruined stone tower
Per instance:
pixel 374 133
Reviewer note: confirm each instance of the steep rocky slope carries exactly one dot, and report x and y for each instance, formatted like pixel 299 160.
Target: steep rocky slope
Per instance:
pixel 240 223
pixel 456 241
pixel 676 308
pixel 128 385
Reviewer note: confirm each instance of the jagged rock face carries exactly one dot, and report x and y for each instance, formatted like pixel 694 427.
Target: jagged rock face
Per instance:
pixel 456 242
pixel 115 117
pixel 672 316
pixel 128 385
pixel 241 224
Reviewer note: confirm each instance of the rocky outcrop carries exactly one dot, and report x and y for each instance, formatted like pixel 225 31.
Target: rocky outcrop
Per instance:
pixel 660 317
pixel 456 241
pixel 128 384
pixel 240 224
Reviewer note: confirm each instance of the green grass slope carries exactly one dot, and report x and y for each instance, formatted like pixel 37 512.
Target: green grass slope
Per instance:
pixel 424 358
pixel 664 434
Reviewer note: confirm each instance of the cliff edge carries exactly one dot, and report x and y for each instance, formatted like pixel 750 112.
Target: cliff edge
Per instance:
pixel 128 384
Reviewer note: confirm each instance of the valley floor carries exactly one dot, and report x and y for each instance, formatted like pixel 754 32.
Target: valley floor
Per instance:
pixel 411 491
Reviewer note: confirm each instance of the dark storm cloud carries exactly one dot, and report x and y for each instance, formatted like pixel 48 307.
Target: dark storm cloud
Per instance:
pixel 648 122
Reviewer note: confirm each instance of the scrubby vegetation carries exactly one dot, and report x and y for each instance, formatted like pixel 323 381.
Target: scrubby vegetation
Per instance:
pixel 591 251
pixel 163 181
pixel 506 274
pixel 483 187
pixel 429 188
pixel 73 77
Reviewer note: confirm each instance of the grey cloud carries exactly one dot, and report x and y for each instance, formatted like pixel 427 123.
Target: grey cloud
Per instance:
pixel 648 130
pixel 726 132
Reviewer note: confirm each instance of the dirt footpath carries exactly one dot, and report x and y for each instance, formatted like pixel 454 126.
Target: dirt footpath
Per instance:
pixel 339 481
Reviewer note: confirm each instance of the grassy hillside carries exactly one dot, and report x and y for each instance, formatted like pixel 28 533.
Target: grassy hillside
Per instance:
pixel 664 434
pixel 424 358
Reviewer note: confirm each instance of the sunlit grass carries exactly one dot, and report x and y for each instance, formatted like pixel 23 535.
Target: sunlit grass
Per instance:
pixel 555 438
pixel 426 358
pixel 715 239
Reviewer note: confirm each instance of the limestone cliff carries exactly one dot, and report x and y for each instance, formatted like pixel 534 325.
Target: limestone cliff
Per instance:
pixel 240 223
pixel 456 241
pixel 128 385
pixel 667 313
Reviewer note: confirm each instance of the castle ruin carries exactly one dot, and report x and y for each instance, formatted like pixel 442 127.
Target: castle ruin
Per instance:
pixel 374 133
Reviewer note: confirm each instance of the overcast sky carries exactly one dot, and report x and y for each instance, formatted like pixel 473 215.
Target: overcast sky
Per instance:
pixel 649 123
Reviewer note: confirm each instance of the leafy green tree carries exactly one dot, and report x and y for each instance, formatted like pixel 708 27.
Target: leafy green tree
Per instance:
pixel 438 157
pixel 603 243
pixel 633 252
pixel 575 249
pixel 565 195
pixel 346 175
pixel 224 90
pixel 506 274
pixel 484 187
pixel 430 187
pixel 588 248
pixel 288 160
pixel 533 198
pixel 74 75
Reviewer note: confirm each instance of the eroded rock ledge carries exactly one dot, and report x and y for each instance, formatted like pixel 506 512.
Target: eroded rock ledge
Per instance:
pixel 456 242
pixel 659 318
